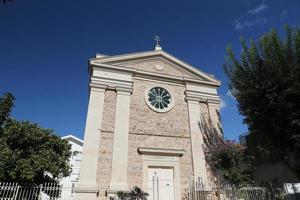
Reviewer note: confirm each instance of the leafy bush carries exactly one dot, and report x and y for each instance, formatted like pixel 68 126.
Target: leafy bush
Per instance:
pixel 135 194
pixel 233 162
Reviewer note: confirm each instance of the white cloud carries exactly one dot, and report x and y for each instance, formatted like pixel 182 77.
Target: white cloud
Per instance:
pixel 228 93
pixel 257 21
pixel 241 25
pixel 223 104
pixel 258 9
pixel 253 17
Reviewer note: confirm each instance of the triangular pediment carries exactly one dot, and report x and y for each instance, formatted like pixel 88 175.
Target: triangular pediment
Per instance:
pixel 158 62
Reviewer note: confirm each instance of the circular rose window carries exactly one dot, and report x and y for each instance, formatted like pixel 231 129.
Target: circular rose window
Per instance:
pixel 159 99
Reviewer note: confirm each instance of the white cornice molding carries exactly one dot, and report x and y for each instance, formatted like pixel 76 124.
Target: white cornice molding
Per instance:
pixel 144 74
pixel 197 96
pixel 160 151
pixel 108 83
pixel 168 56
pixel 73 139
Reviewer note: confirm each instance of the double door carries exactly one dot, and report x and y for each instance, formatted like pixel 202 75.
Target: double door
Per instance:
pixel 160 183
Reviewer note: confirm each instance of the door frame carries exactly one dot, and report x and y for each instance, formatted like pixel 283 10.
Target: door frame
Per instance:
pixel 163 160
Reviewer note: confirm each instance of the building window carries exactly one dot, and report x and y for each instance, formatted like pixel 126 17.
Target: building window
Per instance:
pixel 159 99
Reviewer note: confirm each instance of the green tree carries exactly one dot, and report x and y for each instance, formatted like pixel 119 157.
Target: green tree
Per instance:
pixel 265 81
pixel 28 152
pixel 232 160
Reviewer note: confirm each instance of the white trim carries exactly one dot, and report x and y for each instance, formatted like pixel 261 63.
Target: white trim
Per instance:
pixel 92 136
pixel 195 70
pixel 170 106
pixel 160 151
pixel 198 157
pixel 73 138
pixel 163 161
pixel 152 75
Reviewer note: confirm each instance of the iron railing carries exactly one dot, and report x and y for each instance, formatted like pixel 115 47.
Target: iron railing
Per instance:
pixel 198 191
pixel 46 191
pixel 194 190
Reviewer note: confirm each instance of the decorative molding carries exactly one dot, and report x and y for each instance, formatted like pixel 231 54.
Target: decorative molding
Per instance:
pixel 150 160
pixel 160 151
pixel 152 75
pixel 97 87
pixel 124 90
pixel 202 97
pixel 108 83
pixel 164 54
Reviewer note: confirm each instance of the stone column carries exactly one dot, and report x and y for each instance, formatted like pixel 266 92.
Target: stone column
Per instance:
pixel 120 146
pixel 89 163
pixel 197 140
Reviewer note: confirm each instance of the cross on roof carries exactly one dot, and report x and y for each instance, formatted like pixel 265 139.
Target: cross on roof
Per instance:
pixel 157 39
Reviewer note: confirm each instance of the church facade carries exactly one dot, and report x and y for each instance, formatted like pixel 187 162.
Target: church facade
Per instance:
pixel 143 125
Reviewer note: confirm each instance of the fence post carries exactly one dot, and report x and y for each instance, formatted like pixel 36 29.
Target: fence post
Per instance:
pixel 40 193
pixel 217 194
pixel 16 193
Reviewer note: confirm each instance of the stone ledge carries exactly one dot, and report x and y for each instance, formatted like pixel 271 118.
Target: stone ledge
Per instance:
pixel 161 151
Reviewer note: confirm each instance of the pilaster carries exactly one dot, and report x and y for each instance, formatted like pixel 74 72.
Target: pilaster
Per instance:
pixel 198 156
pixel 196 94
pixel 88 167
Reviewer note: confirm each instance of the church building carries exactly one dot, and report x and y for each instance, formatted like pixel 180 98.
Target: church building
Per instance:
pixel 143 125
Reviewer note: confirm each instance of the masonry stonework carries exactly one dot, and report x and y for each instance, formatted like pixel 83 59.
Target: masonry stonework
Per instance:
pixel 106 144
pixel 162 135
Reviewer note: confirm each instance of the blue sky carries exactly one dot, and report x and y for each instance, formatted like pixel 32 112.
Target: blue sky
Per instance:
pixel 45 47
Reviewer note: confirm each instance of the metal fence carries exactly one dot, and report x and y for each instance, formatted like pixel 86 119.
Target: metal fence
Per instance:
pixel 198 191
pixel 46 191
pixel 194 191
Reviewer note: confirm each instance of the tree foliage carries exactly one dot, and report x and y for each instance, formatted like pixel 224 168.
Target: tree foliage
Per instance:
pixel 266 83
pixel 233 162
pixel 28 152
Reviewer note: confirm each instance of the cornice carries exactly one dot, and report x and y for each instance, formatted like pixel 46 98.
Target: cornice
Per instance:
pixel 197 96
pixel 160 151
pixel 162 53
pixel 144 74
pixel 108 83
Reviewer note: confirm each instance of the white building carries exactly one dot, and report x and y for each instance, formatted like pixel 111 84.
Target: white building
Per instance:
pixel 69 183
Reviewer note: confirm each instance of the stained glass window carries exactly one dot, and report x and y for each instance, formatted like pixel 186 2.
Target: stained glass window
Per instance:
pixel 159 98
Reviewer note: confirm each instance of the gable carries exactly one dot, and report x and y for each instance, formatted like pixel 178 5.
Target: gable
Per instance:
pixel 157 65
pixel 156 62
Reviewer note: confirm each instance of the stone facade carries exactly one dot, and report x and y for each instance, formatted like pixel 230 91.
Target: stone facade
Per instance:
pixel 144 120
pixel 171 139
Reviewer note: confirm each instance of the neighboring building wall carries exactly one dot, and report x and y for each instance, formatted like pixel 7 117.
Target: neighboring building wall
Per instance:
pixel 70 182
